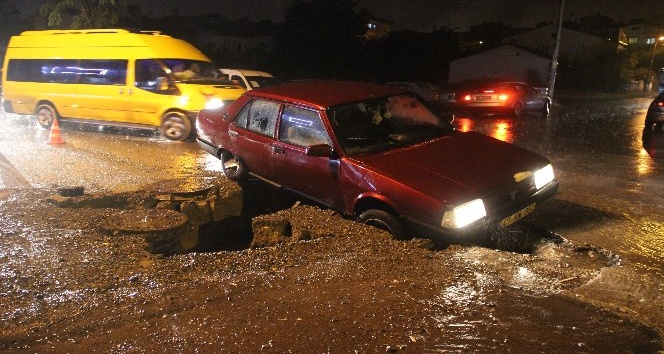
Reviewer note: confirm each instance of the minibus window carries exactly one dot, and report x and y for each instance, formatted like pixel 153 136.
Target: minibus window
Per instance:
pixel 103 72
pixel 43 70
pixel 150 76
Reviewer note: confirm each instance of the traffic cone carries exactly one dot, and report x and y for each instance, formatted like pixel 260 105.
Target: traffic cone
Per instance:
pixel 54 137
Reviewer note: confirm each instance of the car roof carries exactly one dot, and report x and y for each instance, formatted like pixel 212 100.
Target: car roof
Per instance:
pixel 325 93
pixel 247 72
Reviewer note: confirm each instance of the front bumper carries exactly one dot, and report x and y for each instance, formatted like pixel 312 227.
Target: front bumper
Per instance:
pixel 491 221
pixel 207 146
pixel 654 116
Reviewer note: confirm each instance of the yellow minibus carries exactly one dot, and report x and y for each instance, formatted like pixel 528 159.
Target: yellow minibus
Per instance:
pixel 113 77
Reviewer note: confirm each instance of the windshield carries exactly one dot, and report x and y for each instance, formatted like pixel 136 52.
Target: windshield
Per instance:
pixel 384 124
pixel 262 81
pixel 195 71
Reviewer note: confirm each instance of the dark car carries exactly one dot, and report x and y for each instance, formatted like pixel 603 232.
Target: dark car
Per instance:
pixel 375 153
pixel 513 98
pixel 654 127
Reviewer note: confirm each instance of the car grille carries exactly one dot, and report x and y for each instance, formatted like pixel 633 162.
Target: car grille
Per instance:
pixel 509 195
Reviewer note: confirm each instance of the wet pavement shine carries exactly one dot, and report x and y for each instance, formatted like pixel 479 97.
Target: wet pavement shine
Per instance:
pixel 583 274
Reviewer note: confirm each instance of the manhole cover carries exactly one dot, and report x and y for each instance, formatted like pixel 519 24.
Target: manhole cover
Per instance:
pixel 144 221
pixel 183 186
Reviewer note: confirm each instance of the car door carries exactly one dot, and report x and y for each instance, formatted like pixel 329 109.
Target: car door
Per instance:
pixel 252 135
pixel 102 90
pixel 531 99
pixel 313 176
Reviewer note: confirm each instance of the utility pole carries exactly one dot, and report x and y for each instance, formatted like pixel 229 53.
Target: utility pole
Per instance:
pixel 556 50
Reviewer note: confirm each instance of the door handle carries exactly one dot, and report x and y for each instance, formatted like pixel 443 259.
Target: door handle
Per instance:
pixel 232 133
pixel 121 91
pixel 278 150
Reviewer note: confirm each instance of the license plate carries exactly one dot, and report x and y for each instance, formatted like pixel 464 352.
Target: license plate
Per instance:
pixel 483 98
pixel 517 216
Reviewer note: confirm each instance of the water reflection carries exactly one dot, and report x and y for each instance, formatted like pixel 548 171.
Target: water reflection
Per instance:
pixel 501 129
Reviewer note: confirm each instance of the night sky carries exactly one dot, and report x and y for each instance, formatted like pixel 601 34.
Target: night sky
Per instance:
pixel 420 15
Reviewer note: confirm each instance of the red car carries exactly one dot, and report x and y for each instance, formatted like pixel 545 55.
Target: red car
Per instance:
pixel 513 98
pixel 378 154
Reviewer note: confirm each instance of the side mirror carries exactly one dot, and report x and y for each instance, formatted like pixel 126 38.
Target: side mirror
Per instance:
pixel 320 150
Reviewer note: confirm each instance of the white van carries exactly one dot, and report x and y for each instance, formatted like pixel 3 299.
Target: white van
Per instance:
pixel 250 79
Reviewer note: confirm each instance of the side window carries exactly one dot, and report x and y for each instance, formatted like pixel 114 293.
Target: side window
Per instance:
pixel 302 127
pixel 262 117
pixel 150 76
pixel 103 72
pixel 242 117
pixel 43 70
pixel 64 71
pixel 236 80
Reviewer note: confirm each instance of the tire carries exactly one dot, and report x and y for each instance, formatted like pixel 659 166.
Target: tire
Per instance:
pixel 45 115
pixel 232 167
pixel 384 221
pixel 517 110
pixel 546 110
pixel 175 126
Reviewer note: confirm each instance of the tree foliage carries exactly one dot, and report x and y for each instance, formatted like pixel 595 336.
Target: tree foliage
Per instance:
pixel 84 13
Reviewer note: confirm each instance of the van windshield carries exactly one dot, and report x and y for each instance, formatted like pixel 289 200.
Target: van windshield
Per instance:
pixel 195 71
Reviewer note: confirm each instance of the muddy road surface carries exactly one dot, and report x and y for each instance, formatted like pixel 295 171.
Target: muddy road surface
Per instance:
pixel 583 274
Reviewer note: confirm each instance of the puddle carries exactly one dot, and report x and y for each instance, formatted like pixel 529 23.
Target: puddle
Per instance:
pixel 516 298
pixel 475 321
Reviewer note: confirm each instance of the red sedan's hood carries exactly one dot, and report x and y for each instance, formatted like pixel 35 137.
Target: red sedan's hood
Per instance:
pixel 457 167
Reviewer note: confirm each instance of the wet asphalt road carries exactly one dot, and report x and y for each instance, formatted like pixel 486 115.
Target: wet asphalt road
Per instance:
pixel 611 196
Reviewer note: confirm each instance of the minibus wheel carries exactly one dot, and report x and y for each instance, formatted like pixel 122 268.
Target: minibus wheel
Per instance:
pixel 45 115
pixel 175 126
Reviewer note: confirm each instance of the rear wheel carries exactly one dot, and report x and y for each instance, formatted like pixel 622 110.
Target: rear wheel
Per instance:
pixel 384 221
pixel 45 115
pixel 175 126
pixel 232 167
pixel 517 110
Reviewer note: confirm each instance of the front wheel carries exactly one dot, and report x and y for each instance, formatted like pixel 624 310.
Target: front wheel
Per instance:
pixel 384 221
pixel 45 115
pixel 232 167
pixel 546 109
pixel 175 126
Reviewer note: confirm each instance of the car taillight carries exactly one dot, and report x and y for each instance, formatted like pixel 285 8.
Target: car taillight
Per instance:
pixel 503 97
pixel 660 104
pixel 466 98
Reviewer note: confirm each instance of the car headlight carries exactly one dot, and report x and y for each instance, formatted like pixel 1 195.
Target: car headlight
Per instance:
pixel 543 176
pixel 214 103
pixel 464 214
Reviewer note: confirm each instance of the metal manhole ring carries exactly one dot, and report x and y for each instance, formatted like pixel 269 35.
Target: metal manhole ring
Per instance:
pixel 183 186
pixel 138 221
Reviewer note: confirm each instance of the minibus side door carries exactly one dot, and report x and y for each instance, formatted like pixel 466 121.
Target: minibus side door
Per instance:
pixel 102 90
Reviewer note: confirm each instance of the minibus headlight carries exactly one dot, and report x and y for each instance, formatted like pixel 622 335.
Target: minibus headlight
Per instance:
pixel 464 214
pixel 543 176
pixel 214 103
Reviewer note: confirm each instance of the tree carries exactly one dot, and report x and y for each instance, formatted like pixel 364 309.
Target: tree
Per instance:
pixel 84 13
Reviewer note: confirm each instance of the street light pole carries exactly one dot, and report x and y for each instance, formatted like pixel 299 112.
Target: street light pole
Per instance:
pixel 554 60
pixel 652 57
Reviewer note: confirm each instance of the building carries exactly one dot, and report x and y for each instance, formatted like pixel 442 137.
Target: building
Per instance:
pixel 573 43
pixel 504 63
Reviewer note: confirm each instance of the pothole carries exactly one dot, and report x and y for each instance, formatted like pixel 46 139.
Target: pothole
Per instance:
pixel 528 257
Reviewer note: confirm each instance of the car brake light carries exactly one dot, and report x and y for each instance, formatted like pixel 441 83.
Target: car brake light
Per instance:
pixel 466 97
pixel 503 97
pixel 661 104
